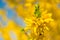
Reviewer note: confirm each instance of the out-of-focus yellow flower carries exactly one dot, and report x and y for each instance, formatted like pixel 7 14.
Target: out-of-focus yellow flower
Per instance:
pixel 24 37
pixel 30 1
pixel 12 3
pixel 11 24
pixel 19 10
pixel 6 35
pixel 25 10
pixel 28 9
pixel 3 15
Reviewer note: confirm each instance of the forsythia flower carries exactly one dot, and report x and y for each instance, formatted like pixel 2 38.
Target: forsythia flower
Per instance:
pixel 37 23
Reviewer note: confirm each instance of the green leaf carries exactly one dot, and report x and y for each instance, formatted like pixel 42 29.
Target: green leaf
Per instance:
pixel 37 12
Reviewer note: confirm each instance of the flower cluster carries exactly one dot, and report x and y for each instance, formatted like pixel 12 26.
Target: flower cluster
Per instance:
pixel 37 24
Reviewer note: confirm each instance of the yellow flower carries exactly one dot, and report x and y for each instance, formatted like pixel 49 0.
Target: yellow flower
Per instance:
pixel 3 15
pixel 10 3
pixel 29 9
pixel 30 1
pixel 19 10
pixel 48 6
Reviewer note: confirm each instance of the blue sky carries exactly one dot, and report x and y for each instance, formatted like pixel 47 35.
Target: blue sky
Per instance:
pixel 10 14
pixel 2 4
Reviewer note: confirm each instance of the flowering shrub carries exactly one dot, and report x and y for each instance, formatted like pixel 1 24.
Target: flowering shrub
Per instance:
pixel 30 20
